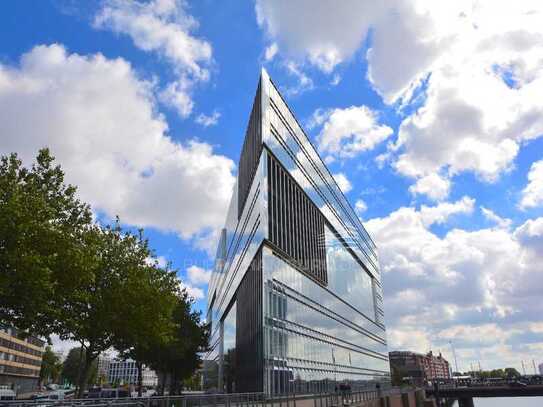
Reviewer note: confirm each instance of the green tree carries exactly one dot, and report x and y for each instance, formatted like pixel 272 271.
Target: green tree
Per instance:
pixel 51 367
pixel 61 273
pixel 102 307
pixel 71 366
pixel 511 372
pixel 178 358
pixel 148 324
pixel 40 222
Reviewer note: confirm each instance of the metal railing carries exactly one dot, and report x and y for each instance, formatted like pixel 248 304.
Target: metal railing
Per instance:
pixel 334 399
pixel 193 400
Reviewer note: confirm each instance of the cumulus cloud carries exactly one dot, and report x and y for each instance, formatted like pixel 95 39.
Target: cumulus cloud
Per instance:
pixel 360 206
pixel 433 186
pixel 343 182
pixel 210 120
pixel 270 52
pixel 493 217
pixel 470 73
pixel 195 292
pixel 347 132
pixel 480 98
pixel 164 28
pixel 442 212
pixel 463 282
pixel 303 82
pixel 198 275
pixel 101 122
pixel 326 36
pixel 532 195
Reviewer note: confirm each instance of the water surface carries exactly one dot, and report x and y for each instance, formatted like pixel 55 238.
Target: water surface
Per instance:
pixel 508 402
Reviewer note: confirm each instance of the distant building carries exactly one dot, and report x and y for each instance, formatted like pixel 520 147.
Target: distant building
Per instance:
pixel 103 368
pixel 126 372
pixel 420 367
pixel 541 369
pixel 20 360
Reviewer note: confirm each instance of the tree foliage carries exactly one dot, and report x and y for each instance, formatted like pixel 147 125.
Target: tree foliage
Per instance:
pixel 178 358
pixel 98 285
pixel 51 367
pixel 71 367
pixel 40 218
pixel 507 373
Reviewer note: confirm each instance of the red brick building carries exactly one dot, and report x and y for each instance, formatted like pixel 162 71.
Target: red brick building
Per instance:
pixel 418 367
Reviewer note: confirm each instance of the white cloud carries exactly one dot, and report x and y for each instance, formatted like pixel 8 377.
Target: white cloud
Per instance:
pixel 270 52
pixel 335 80
pixel 318 117
pixel 433 186
pixel 162 27
pixel 498 220
pixel 176 96
pixel 485 280
pixel 532 195
pixel 343 182
pixel 326 36
pixel 442 212
pixel 195 292
pixel 198 275
pixel 207 121
pixel 347 132
pixel 360 206
pixel 472 118
pixel 100 121
pixel 471 73
pixel 531 235
pixel 304 82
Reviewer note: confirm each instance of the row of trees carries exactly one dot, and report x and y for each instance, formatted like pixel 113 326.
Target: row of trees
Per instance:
pixel 62 273
pixel 54 370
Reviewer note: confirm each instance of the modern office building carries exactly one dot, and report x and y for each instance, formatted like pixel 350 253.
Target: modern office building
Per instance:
pixel 419 368
pixel 20 360
pixel 102 370
pixel 295 298
pixel 122 372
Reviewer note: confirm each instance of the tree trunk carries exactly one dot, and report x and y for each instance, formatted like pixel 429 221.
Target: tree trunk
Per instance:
pixel 79 370
pixel 84 375
pixel 139 366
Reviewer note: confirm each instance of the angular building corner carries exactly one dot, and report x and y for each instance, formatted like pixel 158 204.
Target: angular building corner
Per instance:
pixel 295 299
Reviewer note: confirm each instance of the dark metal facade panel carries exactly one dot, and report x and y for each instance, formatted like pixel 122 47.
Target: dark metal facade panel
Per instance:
pixel 250 153
pixel 296 225
pixel 249 334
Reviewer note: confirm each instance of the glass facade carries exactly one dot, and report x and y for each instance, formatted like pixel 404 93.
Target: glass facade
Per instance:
pixel 229 350
pixel 295 299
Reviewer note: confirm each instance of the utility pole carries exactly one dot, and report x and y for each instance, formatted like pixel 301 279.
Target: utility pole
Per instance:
pixel 533 364
pixel 454 355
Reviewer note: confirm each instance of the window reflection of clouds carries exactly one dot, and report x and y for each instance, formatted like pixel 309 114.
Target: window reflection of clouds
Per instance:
pixel 308 158
pixel 309 342
pixel 346 278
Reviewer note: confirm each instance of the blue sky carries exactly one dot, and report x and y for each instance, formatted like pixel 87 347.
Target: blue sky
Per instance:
pixel 430 118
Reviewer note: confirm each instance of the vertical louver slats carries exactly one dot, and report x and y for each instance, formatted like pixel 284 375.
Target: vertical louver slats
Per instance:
pixel 250 153
pixel 249 338
pixel 296 225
